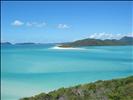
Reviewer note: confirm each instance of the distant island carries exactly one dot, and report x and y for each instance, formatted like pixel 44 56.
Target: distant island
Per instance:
pixel 98 42
pixel 6 43
pixel 84 42
pixel 116 89
pixel 28 43
pixel 25 43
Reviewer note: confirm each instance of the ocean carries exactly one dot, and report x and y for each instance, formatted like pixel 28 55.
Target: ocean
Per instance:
pixel 28 70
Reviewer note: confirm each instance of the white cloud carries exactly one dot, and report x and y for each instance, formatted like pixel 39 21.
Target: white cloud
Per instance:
pixel 63 26
pixel 29 24
pixel 109 35
pixel 17 23
pixel 36 24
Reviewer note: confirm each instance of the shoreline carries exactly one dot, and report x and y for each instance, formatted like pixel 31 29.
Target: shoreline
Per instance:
pixel 108 89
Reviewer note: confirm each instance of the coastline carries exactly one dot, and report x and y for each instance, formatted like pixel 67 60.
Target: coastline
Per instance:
pixel 99 90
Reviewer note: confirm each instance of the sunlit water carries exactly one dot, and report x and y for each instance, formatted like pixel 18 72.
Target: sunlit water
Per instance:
pixel 30 70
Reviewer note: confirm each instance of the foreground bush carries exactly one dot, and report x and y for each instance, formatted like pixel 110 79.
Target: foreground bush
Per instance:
pixel 117 89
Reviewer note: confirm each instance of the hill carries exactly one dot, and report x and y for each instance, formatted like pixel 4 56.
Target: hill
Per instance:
pixel 116 89
pixel 97 42
pixel 6 43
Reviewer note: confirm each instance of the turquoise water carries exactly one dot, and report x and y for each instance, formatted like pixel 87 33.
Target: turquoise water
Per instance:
pixel 30 70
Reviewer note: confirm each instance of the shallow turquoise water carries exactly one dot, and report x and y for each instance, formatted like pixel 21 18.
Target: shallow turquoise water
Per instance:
pixel 29 70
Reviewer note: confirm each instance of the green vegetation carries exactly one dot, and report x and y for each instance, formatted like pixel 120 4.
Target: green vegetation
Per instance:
pixel 65 46
pixel 98 42
pixel 116 89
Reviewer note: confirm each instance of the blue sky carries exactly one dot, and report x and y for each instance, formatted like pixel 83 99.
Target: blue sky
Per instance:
pixel 54 21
